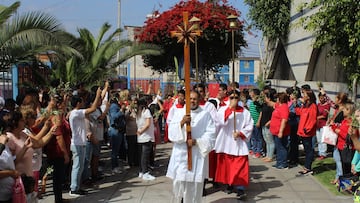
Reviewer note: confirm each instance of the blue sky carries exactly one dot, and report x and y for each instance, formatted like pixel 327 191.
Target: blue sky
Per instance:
pixel 91 14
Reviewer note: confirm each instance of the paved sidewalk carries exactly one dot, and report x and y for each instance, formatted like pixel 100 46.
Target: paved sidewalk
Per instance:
pixel 267 185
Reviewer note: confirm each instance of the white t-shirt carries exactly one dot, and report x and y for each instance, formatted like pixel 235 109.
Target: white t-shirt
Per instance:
pixel 78 127
pixel 97 125
pixel 148 135
pixel 6 163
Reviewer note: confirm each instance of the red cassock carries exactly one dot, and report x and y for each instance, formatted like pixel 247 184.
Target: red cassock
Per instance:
pixel 232 170
pixel 212 164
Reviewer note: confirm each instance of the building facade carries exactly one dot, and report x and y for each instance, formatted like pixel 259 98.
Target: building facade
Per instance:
pixel 295 60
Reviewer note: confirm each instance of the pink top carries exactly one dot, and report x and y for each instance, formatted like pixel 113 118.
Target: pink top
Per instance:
pixel 25 164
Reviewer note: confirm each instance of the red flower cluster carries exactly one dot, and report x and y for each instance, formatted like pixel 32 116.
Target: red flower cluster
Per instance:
pixel 212 15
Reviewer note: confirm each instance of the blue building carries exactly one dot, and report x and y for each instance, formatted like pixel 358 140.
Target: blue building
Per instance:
pixel 247 70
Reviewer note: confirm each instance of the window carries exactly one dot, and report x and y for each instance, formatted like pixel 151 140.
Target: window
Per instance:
pixel 246 78
pixel 246 64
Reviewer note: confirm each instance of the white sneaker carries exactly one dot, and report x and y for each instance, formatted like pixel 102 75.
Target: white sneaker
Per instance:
pixel 141 174
pixel 116 170
pixel 73 194
pixel 147 176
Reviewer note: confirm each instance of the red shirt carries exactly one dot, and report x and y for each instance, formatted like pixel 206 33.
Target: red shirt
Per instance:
pixel 323 110
pixel 344 128
pixel 166 107
pixel 52 149
pixel 280 112
pixel 308 120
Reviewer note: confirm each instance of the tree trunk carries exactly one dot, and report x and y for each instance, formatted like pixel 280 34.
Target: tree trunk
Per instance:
pixel 354 88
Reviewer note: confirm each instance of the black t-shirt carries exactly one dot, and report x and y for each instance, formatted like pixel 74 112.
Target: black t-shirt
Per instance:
pixel 266 114
pixel 339 117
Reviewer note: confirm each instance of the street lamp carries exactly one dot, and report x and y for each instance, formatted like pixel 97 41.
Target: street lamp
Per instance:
pixel 195 21
pixel 232 25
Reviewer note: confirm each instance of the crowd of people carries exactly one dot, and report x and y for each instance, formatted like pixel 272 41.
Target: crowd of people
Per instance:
pixel 66 129
pixel 261 124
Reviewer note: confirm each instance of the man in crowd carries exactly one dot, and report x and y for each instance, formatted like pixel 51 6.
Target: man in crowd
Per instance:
pixel 188 184
pixel 78 139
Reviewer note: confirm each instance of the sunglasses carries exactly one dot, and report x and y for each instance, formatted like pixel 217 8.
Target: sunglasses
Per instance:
pixel 234 97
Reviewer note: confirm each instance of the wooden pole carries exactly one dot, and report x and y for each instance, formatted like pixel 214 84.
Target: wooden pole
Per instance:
pixel 187 34
pixel 187 87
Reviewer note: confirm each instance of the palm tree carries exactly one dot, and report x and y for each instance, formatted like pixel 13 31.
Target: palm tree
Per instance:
pixel 22 37
pixel 99 55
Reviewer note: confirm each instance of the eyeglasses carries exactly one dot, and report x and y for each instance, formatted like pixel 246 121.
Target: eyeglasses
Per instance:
pixel 234 97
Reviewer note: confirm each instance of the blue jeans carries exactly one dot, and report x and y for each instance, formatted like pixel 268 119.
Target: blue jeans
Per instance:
pixel 337 159
pixel 78 158
pixel 322 147
pixel 115 147
pixel 309 151
pixel 116 140
pixel 281 146
pixel 88 156
pixel 257 140
pixel 269 140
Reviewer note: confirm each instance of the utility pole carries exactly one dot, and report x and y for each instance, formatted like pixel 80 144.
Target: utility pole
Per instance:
pixel 118 26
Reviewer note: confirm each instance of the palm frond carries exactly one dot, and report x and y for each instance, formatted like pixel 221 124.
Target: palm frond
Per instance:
pixel 6 12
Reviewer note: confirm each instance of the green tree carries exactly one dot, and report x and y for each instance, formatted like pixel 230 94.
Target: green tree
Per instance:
pixel 337 23
pixel 99 55
pixel 271 17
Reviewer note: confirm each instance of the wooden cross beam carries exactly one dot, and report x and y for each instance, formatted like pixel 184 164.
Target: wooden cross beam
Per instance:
pixel 186 34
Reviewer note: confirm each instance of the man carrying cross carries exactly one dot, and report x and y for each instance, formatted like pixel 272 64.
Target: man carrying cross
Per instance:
pixel 188 184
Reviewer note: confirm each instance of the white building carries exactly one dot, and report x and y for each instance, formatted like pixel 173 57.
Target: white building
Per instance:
pixel 297 60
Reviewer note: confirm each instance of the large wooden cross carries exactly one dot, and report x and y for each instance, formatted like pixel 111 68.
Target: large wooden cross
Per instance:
pixel 186 34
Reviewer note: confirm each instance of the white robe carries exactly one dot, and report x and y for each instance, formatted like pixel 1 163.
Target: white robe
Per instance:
pixel 225 142
pixel 209 107
pixel 203 130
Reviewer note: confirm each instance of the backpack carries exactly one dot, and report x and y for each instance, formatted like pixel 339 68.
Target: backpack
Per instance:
pixel 120 124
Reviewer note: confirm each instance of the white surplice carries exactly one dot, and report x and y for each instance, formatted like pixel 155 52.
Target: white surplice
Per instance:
pixel 203 130
pixel 225 142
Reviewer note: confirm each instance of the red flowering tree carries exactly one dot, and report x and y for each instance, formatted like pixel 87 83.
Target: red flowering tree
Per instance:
pixel 214 46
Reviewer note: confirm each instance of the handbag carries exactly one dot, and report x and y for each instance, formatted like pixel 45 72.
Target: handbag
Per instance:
pixel 329 136
pixel 18 195
pixel 347 153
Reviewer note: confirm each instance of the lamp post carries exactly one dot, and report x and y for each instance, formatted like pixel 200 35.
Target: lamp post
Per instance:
pixel 195 22
pixel 233 25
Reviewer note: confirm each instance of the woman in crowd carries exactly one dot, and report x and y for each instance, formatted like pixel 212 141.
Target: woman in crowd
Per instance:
pixel 8 173
pixel 323 112
pixel 343 130
pixel 145 133
pixel 281 130
pixel 131 129
pixel 340 100
pixel 354 133
pixel 20 144
pixel 167 105
pixel 116 131
pixel 39 136
pixel 294 95
pixel 58 149
pixel 265 117
pixel 307 127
